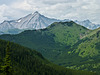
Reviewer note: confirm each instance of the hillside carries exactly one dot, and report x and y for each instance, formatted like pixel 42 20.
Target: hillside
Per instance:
pixel 50 41
pixel 89 47
pixel 61 44
pixel 29 62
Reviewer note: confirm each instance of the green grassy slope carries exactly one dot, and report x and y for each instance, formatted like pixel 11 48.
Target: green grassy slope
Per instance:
pixel 89 47
pixel 67 32
pixel 29 62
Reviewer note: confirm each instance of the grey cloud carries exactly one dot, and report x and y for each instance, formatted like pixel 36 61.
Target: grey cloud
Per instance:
pixel 8 2
pixel 52 2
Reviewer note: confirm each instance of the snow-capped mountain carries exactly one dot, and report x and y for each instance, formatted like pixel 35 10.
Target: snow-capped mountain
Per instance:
pixel 6 26
pixel 32 21
pixel 88 24
pixel 1 33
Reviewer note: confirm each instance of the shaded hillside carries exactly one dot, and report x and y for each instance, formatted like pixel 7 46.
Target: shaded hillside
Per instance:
pixel 29 62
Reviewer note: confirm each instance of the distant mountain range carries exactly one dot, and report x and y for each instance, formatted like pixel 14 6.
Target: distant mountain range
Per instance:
pixel 88 24
pixel 36 21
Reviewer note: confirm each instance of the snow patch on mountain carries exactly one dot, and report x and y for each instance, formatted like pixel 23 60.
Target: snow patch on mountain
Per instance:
pixel 19 20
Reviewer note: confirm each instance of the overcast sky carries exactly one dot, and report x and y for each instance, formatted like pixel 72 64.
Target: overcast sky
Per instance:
pixel 59 9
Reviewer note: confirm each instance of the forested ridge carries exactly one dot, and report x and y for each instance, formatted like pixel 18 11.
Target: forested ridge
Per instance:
pixel 18 60
pixel 64 43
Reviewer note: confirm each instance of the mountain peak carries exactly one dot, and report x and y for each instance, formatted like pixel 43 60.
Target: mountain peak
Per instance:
pixel 36 12
pixel 5 21
pixel 87 21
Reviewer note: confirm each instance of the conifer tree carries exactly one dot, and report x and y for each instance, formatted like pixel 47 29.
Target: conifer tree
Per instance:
pixel 7 69
pixel 0 68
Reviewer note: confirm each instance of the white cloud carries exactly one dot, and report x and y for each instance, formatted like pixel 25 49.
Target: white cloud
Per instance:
pixel 23 5
pixel 2 12
pixel 60 9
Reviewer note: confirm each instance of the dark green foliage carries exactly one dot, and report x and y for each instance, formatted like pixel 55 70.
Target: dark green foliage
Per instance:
pixel 6 68
pixel 30 62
